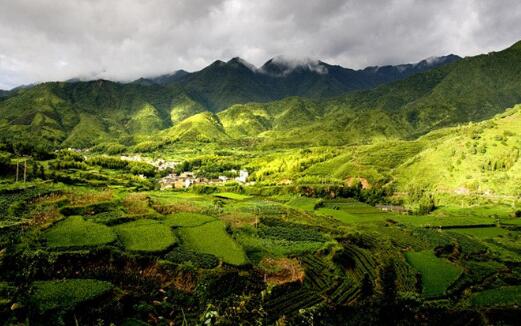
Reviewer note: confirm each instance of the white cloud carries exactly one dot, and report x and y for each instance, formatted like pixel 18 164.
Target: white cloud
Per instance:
pixel 124 39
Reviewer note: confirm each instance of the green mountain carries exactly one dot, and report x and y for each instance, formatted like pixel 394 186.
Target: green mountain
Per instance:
pixel 83 114
pixel 203 127
pixel 223 84
pixel 471 89
pixel 474 158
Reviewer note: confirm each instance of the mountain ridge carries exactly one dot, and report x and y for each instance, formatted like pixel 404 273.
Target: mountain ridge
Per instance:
pixel 222 84
pixel 470 89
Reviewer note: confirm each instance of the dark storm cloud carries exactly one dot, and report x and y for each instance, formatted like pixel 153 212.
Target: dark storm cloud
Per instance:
pixel 125 39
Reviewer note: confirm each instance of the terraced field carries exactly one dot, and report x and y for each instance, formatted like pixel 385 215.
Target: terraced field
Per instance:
pixel 75 232
pixel 182 242
pixel 436 274
pixel 145 235
pixel 66 294
pixel 211 238
pixel 483 233
pixel 231 195
pixel 187 219
pixel 503 296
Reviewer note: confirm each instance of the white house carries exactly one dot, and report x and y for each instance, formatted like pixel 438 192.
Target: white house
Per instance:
pixel 243 176
pixel 223 178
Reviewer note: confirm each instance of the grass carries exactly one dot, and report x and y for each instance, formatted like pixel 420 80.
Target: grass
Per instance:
pixel 304 203
pixel 65 294
pixel 503 296
pixel 187 219
pixel 350 218
pixel 437 273
pixel 492 211
pixel 258 247
pixel 76 232
pixel 511 221
pixel 211 238
pixel 167 196
pixel 504 255
pixel 145 235
pixel 231 195
pixel 444 222
pixel 482 233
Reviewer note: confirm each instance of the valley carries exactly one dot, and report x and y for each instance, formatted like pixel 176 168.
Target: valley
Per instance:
pixel 210 198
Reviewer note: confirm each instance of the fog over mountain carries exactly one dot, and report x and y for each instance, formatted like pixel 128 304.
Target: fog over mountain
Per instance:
pixel 42 40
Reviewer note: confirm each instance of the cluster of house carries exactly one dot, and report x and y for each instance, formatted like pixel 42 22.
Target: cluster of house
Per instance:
pixel 391 208
pixel 186 179
pixel 160 163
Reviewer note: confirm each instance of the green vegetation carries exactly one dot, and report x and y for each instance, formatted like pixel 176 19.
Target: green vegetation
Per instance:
pixel 506 295
pixel 397 204
pixel 145 235
pixel 187 219
pixel 483 233
pixel 76 232
pixel 66 294
pixel 231 195
pixel 211 238
pixel 304 203
pixel 436 274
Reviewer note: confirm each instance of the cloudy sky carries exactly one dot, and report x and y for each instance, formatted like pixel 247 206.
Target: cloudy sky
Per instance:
pixel 43 40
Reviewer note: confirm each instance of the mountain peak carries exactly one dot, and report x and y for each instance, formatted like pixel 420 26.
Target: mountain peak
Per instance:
pixel 436 61
pixel 425 64
pixel 284 65
pixel 238 61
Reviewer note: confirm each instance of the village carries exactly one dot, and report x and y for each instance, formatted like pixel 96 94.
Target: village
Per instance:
pixel 188 178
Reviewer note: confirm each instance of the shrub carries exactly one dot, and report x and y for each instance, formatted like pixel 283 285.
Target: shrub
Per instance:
pixel 90 209
pixel 182 255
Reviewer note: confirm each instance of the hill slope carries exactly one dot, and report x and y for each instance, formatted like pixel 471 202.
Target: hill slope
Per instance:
pixel 472 158
pixel 55 112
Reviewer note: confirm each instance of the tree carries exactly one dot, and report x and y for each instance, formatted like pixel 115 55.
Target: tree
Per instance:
pixel 426 205
pixel 42 172
pixel 418 285
pixel 390 310
pixel 388 278
pixel 367 286
pixel 34 169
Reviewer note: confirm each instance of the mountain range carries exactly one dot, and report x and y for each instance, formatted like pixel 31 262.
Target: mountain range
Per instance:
pixel 222 84
pixel 282 103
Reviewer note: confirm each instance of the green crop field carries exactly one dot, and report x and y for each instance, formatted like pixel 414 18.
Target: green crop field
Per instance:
pixel 76 232
pixel 437 274
pixel 211 238
pixel 231 195
pixel 353 218
pixel 482 233
pixel 145 235
pixel 187 219
pixel 304 203
pixel 511 221
pixel 49 295
pixel 444 222
pixel 506 295
pixel 258 247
